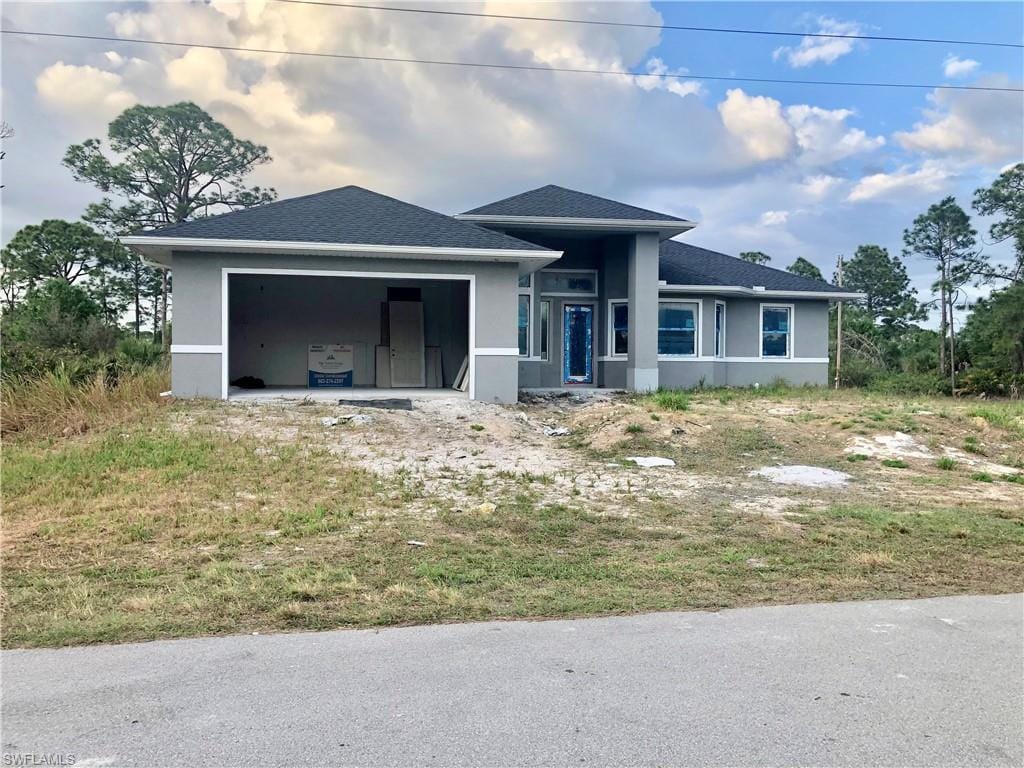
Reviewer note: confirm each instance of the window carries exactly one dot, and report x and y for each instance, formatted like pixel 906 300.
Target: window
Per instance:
pixel 776 330
pixel 677 328
pixel 568 282
pixel 719 329
pixel 545 328
pixel 525 291
pixel 618 324
pixel 524 325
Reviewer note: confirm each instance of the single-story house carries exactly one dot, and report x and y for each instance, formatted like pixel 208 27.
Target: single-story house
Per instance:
pixel 548 288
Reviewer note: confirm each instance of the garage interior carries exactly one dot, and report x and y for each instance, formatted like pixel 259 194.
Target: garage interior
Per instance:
pixel 405 334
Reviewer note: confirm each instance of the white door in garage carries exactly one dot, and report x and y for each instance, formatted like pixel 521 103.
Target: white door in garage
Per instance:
pixel 408 364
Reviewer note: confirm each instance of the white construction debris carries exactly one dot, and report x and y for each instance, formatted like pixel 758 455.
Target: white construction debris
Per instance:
pixel 898 445
pixel 651 461
pixel 799 474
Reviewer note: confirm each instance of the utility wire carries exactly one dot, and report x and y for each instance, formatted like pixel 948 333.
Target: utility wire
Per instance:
pixel 484 65
pixel 638 25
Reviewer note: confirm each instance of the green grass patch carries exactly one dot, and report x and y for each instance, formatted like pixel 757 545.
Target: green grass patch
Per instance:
pixel 945 463
pixel 855 457
pixel 670 399
pixel 895 463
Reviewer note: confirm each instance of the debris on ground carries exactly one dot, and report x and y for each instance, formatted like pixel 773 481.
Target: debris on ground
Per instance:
pixel 414 543
pixel 351 418
pixel 389 403
pixel 487 508
pixel 556 431
pixel 800 474
pixel 651 461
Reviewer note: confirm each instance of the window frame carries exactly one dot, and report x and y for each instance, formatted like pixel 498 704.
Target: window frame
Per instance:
pixel 545 333
pixel 719 333
pixel 611 329
pixel 698 327
pixel 790 334
pixel 527 291
pixel 571 294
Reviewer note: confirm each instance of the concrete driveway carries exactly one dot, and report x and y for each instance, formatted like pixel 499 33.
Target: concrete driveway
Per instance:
pixel 924 682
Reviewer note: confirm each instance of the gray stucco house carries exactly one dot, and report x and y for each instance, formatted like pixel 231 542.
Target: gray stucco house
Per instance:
pixel 549 288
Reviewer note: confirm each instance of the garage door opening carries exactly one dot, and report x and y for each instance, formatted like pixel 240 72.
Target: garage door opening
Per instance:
pixel 340 337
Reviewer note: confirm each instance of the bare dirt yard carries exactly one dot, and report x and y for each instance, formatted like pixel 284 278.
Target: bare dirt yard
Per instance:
pixel 189 518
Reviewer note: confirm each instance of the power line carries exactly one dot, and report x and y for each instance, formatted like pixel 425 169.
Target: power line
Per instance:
pixel 638 25
pixel 518 67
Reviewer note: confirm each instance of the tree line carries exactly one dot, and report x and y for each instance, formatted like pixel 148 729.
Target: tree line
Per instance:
pixel 66 286
pixel 883 341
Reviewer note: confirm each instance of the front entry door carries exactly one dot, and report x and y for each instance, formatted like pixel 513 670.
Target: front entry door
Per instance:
pixel 578 344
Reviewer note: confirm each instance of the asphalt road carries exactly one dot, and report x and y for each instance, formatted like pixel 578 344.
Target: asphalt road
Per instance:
pixel 925 682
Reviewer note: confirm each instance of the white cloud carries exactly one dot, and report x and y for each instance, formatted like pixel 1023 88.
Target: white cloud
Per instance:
pixel 818 187
pixel 673 84
pixel 83 92
pixel 774 218
pixel 953 66
pixel 981 125
pixel 823 136
pixel 826 50
pixel 758 122
pixel 932 177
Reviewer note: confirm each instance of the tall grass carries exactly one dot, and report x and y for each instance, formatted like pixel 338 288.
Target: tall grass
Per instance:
pixel 54 404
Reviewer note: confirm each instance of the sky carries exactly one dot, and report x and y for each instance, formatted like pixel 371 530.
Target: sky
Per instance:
pixel 791 170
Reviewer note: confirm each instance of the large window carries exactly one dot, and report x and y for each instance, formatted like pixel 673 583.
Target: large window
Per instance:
pixel 568 282
pixel 545 328
pixel 677 328
pixel 776 330
pixel 618 327
pixel 719 329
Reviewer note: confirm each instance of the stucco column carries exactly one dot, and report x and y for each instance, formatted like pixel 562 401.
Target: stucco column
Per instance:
pixel 642 360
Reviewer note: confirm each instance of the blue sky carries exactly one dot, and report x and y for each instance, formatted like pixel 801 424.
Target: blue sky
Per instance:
pixel 792 170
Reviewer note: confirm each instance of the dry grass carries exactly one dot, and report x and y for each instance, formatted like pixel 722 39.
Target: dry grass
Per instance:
pixel 204 518
pixel 52 405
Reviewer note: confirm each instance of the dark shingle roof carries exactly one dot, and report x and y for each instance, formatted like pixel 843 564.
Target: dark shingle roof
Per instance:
pixel 558 202
pixel 346 215
pixel 685 264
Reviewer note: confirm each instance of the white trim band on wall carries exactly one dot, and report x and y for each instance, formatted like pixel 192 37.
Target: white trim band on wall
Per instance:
pixel 497 351
pixel 706 359
pixel 197 349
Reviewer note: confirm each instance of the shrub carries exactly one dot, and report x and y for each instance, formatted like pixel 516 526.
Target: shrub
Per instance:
pixel 909 384
pixel 135 354
pixel 945 463
pixel 988 382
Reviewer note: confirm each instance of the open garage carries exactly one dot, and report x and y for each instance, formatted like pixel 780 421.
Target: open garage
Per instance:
pixel 390 333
